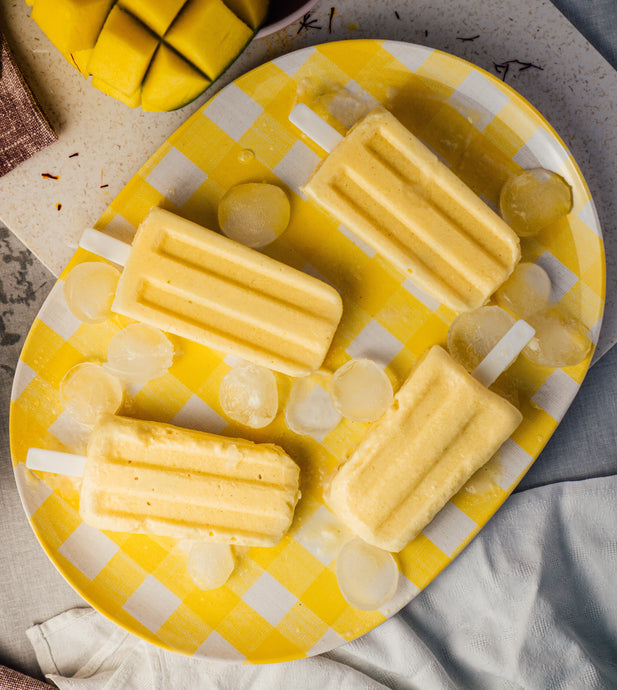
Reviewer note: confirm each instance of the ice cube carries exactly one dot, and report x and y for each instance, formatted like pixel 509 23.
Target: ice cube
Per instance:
pixel 139 353
pixel 559 341
pixel 89 290
pixel 367 576
pixel 533 200
pixel 88 390
pixel 249 395
pixel 527 291
pixel 210 565
pixel 473 334
pixel 361 390
pixel 254 213
pixel 348 107
pixel 309 410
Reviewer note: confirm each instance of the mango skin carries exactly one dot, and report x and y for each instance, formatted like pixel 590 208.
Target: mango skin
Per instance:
pixel 155 54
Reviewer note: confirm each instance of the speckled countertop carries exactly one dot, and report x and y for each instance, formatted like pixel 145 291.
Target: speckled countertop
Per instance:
pixel 573 86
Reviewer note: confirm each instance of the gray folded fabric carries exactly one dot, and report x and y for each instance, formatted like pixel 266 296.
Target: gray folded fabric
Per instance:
pixel 24 129
pixel 597 21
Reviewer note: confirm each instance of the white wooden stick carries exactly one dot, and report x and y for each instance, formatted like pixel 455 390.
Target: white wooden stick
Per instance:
pixel 104 245
pixel 309 123
pixel 503 353
pixel 56 461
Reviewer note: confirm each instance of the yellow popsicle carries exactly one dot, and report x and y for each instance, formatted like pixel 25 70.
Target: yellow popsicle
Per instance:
pixel 442 427
pixel 196 283
pixel 151 477
pixel 394 193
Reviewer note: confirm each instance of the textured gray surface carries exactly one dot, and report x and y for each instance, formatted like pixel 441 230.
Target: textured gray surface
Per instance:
pixel 585 443
pixel 31 589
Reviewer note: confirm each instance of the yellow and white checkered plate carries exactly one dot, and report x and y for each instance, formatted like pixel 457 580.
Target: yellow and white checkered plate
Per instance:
pixel 283 603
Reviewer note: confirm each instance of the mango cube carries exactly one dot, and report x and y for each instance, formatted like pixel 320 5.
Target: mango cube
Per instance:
pixel 209 35
pixel 157 54
pixel 123 52
pixel 251 12
pixel 133 100
pixel 171 82
pixel 157 16
pixel 71 25
pixel 81 59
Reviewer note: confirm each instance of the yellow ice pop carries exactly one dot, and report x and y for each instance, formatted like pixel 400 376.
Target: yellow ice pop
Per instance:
pixel 394 193
pixel 196 283
pixel 442 427
pixel 153 477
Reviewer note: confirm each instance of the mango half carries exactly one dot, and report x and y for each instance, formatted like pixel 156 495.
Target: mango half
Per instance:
pixel 157 54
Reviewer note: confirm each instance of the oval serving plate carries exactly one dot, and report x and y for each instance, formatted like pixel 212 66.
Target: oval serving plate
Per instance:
pixel 283 603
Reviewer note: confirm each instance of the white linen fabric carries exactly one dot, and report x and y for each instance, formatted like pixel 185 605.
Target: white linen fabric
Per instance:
pixel 529 604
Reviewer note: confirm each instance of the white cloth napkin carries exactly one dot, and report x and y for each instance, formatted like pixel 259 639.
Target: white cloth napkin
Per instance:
pixel 531 603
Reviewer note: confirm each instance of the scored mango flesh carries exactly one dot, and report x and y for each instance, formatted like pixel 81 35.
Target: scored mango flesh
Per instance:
pixel 157 54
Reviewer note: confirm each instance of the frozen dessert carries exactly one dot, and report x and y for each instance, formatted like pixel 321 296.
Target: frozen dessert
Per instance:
pixel 196 283
pixel 441 428
pixel 394 193
pixel 151 477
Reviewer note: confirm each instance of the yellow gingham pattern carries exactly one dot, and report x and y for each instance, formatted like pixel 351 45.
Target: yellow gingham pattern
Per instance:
pixel 283 603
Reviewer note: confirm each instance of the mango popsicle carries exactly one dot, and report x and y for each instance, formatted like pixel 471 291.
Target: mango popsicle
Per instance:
pixel 151 477
pixel 389 189
pixel 442 427
pixel 196 283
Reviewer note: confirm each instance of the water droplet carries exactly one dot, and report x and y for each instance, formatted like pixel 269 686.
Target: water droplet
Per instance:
pixel 246 155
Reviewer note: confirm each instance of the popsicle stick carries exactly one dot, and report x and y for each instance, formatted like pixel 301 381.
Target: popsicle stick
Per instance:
pixel 56 461
pixel 503 353
pixel 315 128
pixel 108 247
